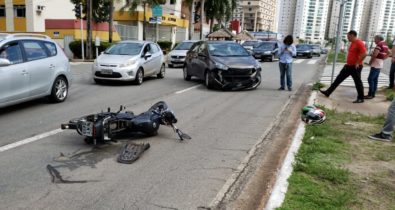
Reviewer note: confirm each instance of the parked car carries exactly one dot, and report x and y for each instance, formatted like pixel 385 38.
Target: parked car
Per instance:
pixel 129 61
pixel 222 64
pixel 304 50
pixel 324 50
pixel 316 49
pixel 32 66
pixel 176 57
pixel 266 50
pixel 250 45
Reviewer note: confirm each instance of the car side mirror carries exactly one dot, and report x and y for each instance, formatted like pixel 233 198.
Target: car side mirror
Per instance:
pixel 147 55
pixel 4 62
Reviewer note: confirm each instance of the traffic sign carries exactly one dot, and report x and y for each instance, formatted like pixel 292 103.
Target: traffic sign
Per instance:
pixel 154 20
pixel 157 11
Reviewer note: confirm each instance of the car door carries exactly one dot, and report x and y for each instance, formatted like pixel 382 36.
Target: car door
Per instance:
pixel 156 58
pixel 14 78
pixel 191 58
pixel 148 63
pixel 201 63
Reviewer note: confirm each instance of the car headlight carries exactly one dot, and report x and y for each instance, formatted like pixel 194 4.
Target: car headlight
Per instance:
pixel 221 66
pixel 268 52
pixel 128 63
pixel 257 65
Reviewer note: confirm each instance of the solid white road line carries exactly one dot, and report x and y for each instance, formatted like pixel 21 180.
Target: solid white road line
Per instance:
pixel 29 140
pixel 188 89
pixel 298 61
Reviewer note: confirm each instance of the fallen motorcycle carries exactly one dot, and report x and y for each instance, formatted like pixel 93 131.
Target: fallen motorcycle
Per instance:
pixel 106 126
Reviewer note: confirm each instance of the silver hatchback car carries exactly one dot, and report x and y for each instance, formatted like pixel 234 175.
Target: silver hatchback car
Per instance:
pixel 32 66
pixel 129 61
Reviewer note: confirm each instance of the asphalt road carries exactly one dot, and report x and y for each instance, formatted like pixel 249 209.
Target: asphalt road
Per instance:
pixel 171 174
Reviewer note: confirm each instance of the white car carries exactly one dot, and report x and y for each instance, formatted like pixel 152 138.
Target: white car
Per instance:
pixel 176 57
pixel 129 61
pixel 32 66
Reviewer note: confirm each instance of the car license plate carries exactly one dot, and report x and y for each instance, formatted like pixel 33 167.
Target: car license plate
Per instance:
pixel 87 128
pixel 106 71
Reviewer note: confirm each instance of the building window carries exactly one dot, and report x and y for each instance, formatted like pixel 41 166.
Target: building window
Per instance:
pixel 19 11
pixel 2 11
pixel 172 1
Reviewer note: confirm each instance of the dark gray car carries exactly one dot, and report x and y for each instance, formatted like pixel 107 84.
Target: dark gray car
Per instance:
pixel 222 64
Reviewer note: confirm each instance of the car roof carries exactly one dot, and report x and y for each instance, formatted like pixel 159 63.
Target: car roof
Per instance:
pixel 18 36
pixel 135 41
pixel 221 42
pixel 190 40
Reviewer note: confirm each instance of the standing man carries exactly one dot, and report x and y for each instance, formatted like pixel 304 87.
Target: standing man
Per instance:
pixel 285 53
pixel 388 128
pixel 376 64
pixel 392 71
pixel 355 57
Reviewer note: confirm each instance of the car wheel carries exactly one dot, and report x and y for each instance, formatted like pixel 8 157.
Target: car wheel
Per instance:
pixel 310 56
pixel 162 72
pixel 139 77
pixel 187 77
pixel 59 90
pixel 170 65
pixel 208 80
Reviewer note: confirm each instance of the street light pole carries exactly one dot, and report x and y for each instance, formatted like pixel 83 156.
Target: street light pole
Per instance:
pixel 82 33
pixel 339 30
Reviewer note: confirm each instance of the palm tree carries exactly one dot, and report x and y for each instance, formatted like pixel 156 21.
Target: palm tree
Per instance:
pixel 132 6
pixel 191 5
pixel 220 10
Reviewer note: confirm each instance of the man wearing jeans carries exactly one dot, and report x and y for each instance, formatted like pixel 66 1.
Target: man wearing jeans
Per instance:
pixel 355 57
pixel 388 128
pixel 376 62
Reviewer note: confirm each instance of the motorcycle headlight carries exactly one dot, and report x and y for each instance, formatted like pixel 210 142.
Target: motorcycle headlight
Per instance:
pixel 128 63
pixel 221 66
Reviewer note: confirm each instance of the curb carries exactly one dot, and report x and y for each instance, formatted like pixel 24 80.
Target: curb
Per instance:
pixel 281 186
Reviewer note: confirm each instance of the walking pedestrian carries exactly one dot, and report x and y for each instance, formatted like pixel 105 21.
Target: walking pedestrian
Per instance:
pixel 286 52
pixel 392 70
pixel 353 67
pixel 388 128
pixel 376 63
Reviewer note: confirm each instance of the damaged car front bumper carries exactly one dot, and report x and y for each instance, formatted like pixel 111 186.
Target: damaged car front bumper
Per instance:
pixel 237 79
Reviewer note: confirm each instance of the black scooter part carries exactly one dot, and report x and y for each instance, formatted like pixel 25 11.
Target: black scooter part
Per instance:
pixel 132 152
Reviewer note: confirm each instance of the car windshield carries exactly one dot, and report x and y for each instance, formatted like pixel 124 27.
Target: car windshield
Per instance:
pixel 226 50
pixel 303 47
pixel 266 46
pixel 250 43
pixel 184 46
pixel 124 49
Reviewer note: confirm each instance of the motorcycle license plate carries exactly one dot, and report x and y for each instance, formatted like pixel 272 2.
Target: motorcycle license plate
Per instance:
pixel 87 128
pixel 106 71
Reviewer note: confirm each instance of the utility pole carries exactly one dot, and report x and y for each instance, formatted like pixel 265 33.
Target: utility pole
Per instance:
pixel 201 19
pixel 338 36
pixel 110 25
pixel 89 27
pixel 82 34
pixel 191 20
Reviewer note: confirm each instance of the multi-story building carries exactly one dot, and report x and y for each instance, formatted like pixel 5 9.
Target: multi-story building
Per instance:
pixel 238 13
pixel 259 15
pixel 310 19
pixel 382 18
pixel 286 18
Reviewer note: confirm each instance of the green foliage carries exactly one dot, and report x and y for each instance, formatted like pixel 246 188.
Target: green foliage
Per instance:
pixel 100 11
pixel 301 41
pixel 389 94
pixel 165 45
pixel 75 47
pixel 341 57
pixel 132 4
pixel 317 86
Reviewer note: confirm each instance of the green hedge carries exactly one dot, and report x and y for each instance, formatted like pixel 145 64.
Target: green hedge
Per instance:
pixel 165 45
pixel 75 47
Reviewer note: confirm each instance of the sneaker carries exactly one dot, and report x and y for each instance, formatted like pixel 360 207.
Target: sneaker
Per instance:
pixel 381 137
pixel 281 88
pixel 358 101
pixel 368 97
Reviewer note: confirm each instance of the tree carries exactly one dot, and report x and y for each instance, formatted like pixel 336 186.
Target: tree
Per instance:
pixel 132 6
pixel 192 17
pixel 220 10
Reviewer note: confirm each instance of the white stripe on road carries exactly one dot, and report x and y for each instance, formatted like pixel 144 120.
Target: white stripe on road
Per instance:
pixel 185 90
pixel 312 62
pixel 29 140
pixel 56 131
pixel 298 61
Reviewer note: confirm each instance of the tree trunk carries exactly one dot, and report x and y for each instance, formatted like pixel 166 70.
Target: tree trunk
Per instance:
pixel 201 19
pixel 110 25
pixel 144 22
pixel 191 20
pixel 211 25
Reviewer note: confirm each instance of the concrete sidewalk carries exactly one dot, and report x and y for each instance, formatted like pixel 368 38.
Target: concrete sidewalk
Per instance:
pixel 342 98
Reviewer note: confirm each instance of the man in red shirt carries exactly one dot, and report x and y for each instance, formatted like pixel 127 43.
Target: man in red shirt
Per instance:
pixel 355 57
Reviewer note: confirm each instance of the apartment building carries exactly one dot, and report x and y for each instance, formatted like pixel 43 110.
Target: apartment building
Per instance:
pixel 259 15
pixel 286 18
pixel 311 19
